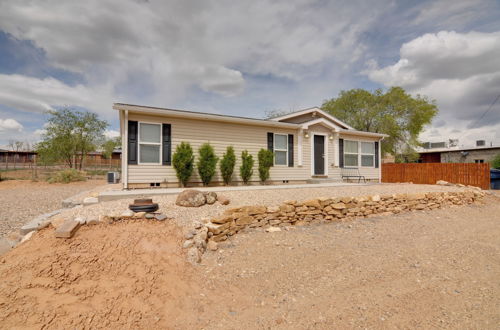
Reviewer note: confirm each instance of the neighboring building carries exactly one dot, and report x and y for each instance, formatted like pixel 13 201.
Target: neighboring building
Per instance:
pixel 98 155
pixel 21 157
pixel 307 144
pixel 482 152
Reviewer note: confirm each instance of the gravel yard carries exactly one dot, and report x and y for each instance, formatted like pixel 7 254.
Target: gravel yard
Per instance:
pixel 22 200
pixel 185 216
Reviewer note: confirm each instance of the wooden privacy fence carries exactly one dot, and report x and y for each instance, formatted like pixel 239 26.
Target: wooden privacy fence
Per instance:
pixel 428 173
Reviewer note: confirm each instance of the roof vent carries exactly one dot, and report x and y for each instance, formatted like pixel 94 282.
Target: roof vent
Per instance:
pixel 480 143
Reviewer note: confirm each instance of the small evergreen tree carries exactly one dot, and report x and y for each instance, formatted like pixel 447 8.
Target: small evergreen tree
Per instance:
pixel 266 160
pixel 227 164
pixel 183 161
pixel 207 163
pixel 246 168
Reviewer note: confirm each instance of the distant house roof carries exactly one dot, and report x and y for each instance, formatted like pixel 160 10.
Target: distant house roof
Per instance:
pixel 471 148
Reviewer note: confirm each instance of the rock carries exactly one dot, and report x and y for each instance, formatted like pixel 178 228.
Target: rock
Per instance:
pixel 92 221
pixel 338 206
pixel 193 255
pixel 200 243
pixel 187 244
pixel 191 198
pixel 273 229
pixel 149 216
pixel 273 209
pixel 197 225
pixel 139 215
pixel 223 199
pixel 211 197
pixel 312 202
pixel 375 198
pixel 442 183
pixel 254 210
pixel 127 214
pixel 90 200
pixel 81 220
pixel 190 234
pixel 217 229
pixel 246 220
pixel 287 208
pixel 160 217
pixel 222 219
pixel 212 245
pixel 27 236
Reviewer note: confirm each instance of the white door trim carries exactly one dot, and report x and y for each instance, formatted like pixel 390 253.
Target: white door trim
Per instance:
pixel 312 153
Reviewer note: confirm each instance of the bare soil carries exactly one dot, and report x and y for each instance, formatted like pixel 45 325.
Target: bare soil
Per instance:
pixel 22 200
pixel 433 269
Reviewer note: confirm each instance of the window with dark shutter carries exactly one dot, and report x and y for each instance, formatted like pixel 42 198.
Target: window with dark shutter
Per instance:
pixel 167 144
pixel 132 143
pixel 290 150
pixel 376 155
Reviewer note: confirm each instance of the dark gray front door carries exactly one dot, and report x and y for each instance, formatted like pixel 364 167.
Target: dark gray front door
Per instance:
pixel 319 155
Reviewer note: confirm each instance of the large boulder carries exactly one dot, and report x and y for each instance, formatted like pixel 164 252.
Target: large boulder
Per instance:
pixel 211 197
pixel 191 198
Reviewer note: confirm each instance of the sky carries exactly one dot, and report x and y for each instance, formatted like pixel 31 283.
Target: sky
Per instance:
pixel 247 57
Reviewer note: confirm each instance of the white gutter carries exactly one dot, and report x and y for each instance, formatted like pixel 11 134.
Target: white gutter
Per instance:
pixel 202 116
pixel 362 133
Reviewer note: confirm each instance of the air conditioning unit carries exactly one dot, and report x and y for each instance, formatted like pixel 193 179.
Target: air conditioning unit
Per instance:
pixel 113 177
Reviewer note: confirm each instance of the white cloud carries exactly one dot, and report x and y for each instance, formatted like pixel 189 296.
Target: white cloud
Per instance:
pixel 461 71
pixel 10 124
pixel 111 134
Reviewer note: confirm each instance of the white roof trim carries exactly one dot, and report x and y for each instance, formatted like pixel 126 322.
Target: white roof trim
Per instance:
pixel 202 116
pixel 313 109
pixel 323 121
pixel 363 133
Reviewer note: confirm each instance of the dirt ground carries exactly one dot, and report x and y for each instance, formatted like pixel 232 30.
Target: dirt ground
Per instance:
pixel 22 200
pixel 433 269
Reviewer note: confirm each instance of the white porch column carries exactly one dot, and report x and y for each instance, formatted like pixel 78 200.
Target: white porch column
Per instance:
pixel 299 146
pixel 380 160
pixel 336 149
pixel 124 134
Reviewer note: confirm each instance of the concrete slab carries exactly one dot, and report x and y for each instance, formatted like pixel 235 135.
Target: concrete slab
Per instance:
pixel 67 229
pixel 38 223
pixel 136 193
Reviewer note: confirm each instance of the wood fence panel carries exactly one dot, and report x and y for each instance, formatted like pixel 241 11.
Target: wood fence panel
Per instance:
pixel 428 173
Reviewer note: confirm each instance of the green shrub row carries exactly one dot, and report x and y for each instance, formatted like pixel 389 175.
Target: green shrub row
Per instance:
pixel 183 162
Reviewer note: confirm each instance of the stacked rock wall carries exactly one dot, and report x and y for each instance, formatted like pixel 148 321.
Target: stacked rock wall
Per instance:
pixel 331 209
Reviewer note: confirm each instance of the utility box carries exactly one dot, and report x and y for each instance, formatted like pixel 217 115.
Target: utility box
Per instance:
pixel 113 177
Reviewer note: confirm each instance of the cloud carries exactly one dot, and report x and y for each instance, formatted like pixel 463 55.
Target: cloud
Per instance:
pixel 111 134
pixel 460 71
pixel 10 124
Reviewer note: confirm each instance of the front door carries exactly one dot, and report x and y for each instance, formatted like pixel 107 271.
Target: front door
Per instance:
pixel 319 155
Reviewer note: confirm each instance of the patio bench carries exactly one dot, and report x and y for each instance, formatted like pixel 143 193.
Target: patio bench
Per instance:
pixel 352 172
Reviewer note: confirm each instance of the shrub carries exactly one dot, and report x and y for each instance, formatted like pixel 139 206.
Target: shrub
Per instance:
pixel 495 162
pixel 66 176
pixel 246 168
pixel 266 160
pixel 207 163
pixel 227 164
pixel 183 162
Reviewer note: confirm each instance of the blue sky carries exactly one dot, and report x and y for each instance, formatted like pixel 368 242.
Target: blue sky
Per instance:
pixel 245 58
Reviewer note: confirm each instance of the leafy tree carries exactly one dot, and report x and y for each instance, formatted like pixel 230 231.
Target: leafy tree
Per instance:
pixel 495 162
pixel 227 164
pixel 207 163
pixel 266 160
pixel 183 162
pixel 395 113
pixel 109 146
pixel 246 168
pixel 70 135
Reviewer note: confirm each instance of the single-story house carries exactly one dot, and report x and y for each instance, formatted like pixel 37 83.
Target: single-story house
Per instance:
pixel 307 144
pixel 471 154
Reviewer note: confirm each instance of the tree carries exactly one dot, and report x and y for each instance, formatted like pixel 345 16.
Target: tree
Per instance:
pixel 246 168
pixel 70 135
pixel 395 113
pixel 495 162
pixel 266 160
pixel 207 163
pixel 109 146
pixel 227 164
pixel 183 162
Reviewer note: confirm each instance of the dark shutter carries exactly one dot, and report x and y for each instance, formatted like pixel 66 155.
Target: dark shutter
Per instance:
pixel 132 143
pixel 270 143
pixel 376 154
pixel 290 150
pixel 166 134
pixel 341 152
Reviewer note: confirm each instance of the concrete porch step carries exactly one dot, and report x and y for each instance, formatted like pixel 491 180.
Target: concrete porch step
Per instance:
pixel 323 180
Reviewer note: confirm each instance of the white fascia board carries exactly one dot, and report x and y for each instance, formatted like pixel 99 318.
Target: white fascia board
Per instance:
pixel 362 133
pixel 322 121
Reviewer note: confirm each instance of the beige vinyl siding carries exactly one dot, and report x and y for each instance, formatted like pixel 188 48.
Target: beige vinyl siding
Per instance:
pixel 219 135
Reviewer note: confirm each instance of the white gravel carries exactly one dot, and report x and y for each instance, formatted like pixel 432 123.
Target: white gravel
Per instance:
pixel 184 216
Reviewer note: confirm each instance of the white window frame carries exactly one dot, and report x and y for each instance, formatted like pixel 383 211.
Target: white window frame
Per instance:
pixel 277 149
pixel 360 164
pixel 364 154
pixel 149 143
pixel 351 153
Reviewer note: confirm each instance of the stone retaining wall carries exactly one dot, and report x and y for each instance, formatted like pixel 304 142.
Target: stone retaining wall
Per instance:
pixel 331 209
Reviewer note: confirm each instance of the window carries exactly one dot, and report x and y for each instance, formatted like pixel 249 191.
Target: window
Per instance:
pixel 280 149
pixel 478 161
pixel 149 143
pixel 350 153
pixel 367 154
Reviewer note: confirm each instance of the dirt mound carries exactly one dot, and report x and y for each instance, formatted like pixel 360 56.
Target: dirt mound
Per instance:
pixel 124 275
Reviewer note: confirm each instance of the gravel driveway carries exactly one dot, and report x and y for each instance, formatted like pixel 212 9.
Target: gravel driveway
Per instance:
pixel 21 201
